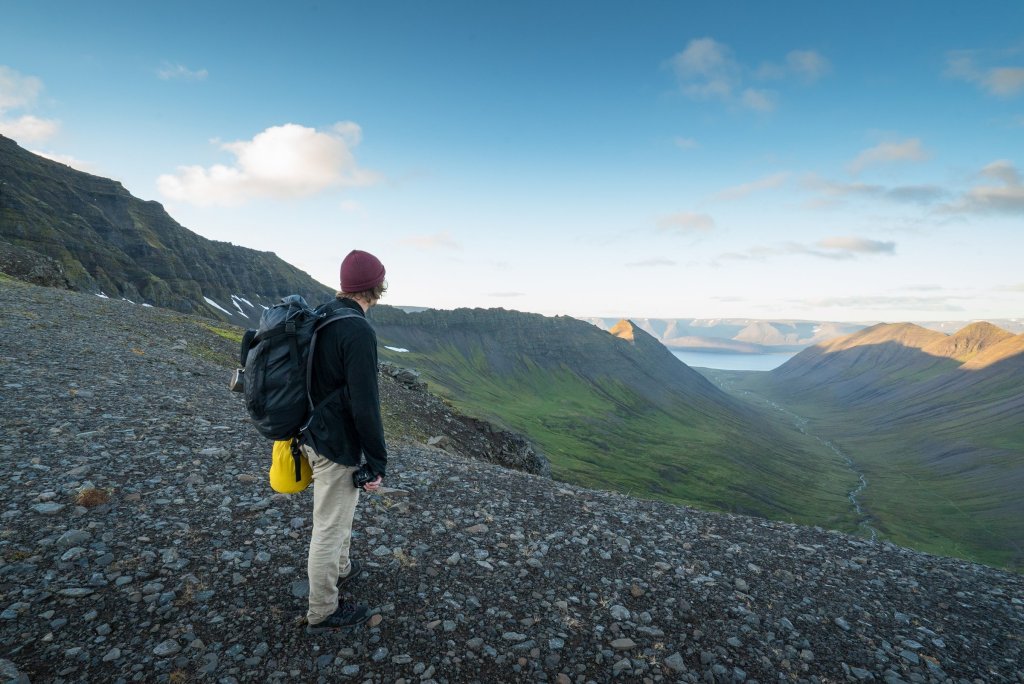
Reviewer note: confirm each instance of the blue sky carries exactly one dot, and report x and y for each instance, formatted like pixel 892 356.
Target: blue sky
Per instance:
pixel 857 161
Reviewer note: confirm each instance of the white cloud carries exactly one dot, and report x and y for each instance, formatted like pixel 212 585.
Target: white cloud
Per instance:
pixel 740 191
pixel 169 71
pixel 690 143
pixel 1001 81
pixel 707 70
pixel 19 93
pixel 836 248
pixel 759 100
pixel 651 263
pixel 686 222
pixel 890 152
pixel 1007 198
pixel 442 240
pixel 830 191
pixel 856 245
pixel 29 128
pixel 282 162
pixel 807 65
pixel 882 302
pixel 1005 81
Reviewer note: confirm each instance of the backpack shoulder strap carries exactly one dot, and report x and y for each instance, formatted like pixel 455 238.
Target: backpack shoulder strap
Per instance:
pixel 325 320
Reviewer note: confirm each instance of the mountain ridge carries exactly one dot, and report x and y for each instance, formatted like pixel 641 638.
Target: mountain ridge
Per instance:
pixel 104 240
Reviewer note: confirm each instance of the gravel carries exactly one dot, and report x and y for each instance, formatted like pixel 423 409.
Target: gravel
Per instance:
pixel 140 542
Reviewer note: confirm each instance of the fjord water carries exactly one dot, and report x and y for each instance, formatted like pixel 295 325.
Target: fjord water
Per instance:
pixel 726 361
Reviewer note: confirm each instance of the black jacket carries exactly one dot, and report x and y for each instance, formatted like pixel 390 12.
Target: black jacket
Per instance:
pixel 346 420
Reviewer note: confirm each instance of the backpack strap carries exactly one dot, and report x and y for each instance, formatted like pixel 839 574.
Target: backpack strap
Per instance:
pixel 320 325
pixel 247 340
pixel 297 455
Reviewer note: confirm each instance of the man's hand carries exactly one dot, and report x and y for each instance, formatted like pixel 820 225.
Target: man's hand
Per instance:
pixel 373 486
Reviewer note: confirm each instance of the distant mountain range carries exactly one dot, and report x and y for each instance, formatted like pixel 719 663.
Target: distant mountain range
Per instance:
pixel 760 336
pixel 66 228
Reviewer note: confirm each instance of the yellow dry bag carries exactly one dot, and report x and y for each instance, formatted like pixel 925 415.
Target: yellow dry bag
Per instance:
pixel 289 471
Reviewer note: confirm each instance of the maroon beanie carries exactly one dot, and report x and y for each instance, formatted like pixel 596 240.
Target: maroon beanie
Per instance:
pixel 361 271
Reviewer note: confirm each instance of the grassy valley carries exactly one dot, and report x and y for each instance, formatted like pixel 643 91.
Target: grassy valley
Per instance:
pixel 621 413
pixel 935 423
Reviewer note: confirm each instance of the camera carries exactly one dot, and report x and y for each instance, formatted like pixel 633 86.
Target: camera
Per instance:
pixel 363 476
pixel 237 382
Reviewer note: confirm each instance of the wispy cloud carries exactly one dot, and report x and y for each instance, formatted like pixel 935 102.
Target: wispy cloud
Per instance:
pixel 18 95
pixel 686 222
pixel 890 152
pixel 856 245
pixel 1006 197
pixel 806 66
pixel 690 143
pixel 974 66
pixel 169 71
pixel 708 70
pixel 887 303
pixel 829 192
pixel 651 263
pixel 837 248
pixel 281 162
pixel 442 240
pixel 775 180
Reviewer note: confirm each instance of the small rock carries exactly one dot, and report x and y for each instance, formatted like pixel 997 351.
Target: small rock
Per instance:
pixel 619 612
pixel 167 648
pixel 675 662
pixel 623 644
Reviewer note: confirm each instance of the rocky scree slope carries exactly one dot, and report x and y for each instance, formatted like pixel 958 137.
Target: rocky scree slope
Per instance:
pixel 140 542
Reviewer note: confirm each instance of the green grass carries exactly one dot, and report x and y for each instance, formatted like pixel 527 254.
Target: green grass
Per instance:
pixel 232 334
pixel 602 434
pixel 955 507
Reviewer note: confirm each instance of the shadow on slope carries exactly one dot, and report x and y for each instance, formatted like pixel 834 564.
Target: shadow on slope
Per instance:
pixel 936 424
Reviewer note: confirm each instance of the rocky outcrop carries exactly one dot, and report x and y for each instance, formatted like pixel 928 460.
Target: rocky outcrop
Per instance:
pixel 105 240
pixel 140 542
pixel 32 267
pixel 427 418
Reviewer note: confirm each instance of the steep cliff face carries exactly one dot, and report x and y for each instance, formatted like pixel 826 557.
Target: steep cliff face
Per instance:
pixel 105 240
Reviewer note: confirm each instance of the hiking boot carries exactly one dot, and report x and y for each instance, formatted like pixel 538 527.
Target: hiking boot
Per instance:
pixel 347 615
pixel 355 569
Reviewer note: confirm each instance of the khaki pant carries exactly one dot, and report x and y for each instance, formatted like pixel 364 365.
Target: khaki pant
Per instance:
pixel 334 505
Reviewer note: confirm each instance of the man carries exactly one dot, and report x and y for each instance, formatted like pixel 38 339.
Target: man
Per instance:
pixel 346 425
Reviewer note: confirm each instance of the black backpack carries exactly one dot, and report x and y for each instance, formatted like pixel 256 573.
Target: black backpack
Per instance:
pixel 278 360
